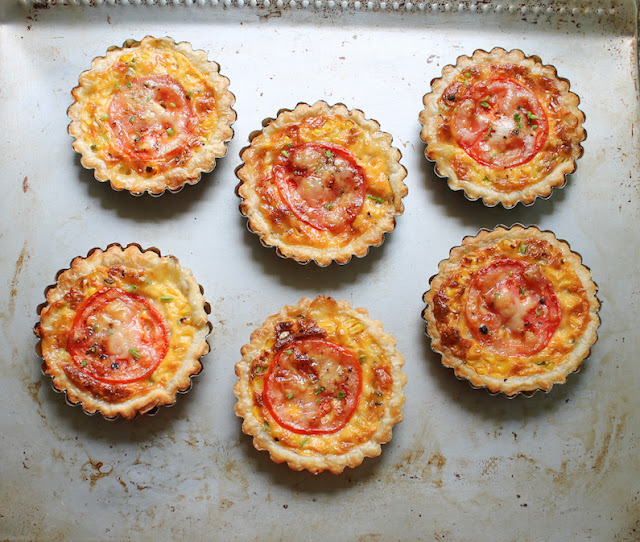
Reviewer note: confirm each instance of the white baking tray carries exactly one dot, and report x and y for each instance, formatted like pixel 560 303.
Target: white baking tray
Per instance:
pixel 463 465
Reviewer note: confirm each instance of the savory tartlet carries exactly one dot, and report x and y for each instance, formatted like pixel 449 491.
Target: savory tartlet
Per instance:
pixel 320 386
pixel 151 116
pixel 512 310
pixel 503 127
pixel 123 330
pixel 321 183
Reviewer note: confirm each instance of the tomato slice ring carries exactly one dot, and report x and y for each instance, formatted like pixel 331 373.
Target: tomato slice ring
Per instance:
pixel 500 123
pixel 152 119
pixel 512 308
pixel 313 386
pixel 322 184
pixel 118 337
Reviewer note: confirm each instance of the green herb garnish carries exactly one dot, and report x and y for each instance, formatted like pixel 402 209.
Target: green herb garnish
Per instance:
pixel 289 395
pixel 522 249
pixel 362 358
pixel 341 396
pixel 319 390
pixel 104 117
pixel 129 84
pixel 518 118
pixel 375 198
pixel 328 206
pixel 522 290
pixel 485 105
pixel 170 131
pixel 285 154
pixel 288 352
pixel 84 363
pixel 171 104
pixel 166 298
pixel 132 118
pixel 267 427
pixel 134 353
pixel 328 154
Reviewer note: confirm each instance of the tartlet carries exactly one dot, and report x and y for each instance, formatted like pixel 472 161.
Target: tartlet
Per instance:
pixel 151 116
pixel 512 310
pixel 320 386
pixel 321 183
pixel 123 330
pixel 503 127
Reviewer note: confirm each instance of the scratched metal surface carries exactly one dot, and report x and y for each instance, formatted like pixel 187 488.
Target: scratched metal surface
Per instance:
pixel 463 465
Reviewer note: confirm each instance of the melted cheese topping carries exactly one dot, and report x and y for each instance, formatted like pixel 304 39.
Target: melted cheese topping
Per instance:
pixel 115 82
pixel 453 297
pixel 371 153
pixel 557 148
pixel 160 286
pixel 377 382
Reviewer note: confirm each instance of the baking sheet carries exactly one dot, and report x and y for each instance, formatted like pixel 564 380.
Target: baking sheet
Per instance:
pixel 463 465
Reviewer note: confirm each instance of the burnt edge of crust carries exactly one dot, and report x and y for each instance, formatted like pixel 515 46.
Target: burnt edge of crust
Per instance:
pixel 585 275
pixel 155 408
pixel 196 172
pixel 344 257
pixel 556 179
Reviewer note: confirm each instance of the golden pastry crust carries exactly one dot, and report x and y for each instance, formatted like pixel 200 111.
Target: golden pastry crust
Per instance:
pixel 346 405
pixel 123 331
pixel 151 116
pixel 503 127
pixel 512 310
pixel 321 183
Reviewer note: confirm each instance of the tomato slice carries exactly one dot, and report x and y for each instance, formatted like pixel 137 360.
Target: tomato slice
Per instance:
pixel 118 336
pixel 322 184
pixel 313 386
pixel 512 308
pixel 152 118
pixel 500 123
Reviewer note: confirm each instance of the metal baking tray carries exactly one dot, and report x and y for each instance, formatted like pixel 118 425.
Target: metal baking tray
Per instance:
pixel 463 465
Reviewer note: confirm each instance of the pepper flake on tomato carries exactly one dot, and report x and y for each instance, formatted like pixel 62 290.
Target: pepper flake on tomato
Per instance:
pixel 321 183
pixel 151 116
pixel 320 386
pixel 503 127
pixel 512 310
pixel 123 330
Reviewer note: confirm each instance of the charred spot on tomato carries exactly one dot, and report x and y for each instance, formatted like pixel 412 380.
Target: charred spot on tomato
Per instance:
pixel 484 329
pixel 543 300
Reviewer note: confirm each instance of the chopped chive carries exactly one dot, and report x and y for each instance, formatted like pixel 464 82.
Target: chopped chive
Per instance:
pixel 531 116
pixel 328 206
pixel 166 298
pixel 267 427
pixel 148 98
pixel 304 441
pixel 129 84
pixel 132 118
pixel 318 168
pixel 171 104
pixel 258 369
pixel 518 120
pixel 485 105
pixel 486 179
pixel 362 358
pixel 319 390
pixel 84 363
pixel 327 153
pixel 170 131
pixel 111 332
pixel 133 287
pixel 538 311
pixel 104 117
pixel 521 290
pixel 375 198
pixel 95 328
pixel 522 249
pixel 134 353
pixel 341 396
pixel 288 352
pixel 285 154
pixel 289 395
pixel 496 295
pixel 118 86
